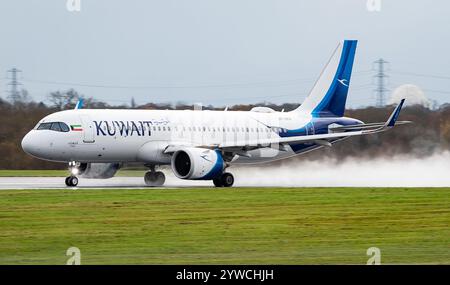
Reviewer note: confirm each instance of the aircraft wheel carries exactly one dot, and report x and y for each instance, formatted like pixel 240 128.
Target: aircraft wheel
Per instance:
pixel 71 181
pixel 153 178
pixel 227 179
pixel 160 178
pixel 217 182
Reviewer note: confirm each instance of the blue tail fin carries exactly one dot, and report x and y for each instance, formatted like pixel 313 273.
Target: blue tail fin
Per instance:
pixel 329 94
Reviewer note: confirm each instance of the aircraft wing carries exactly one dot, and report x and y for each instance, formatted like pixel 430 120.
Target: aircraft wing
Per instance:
pixel 323 139
pixel 240 147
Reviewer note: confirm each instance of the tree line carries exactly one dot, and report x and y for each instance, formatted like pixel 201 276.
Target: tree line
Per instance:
pixel 429 133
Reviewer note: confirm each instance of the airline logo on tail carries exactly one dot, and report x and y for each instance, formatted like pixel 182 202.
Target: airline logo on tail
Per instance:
pixel 329 94
pixel 342 81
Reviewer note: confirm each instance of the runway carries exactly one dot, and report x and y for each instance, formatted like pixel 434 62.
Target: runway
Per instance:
pixel 115 182
pixel 431 171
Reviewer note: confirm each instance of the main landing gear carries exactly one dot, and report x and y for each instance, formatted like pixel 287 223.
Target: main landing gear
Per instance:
pixel 225 180
pixel 154 178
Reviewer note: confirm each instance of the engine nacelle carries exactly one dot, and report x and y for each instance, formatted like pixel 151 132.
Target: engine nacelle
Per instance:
pixel 96 170
pixel 197 163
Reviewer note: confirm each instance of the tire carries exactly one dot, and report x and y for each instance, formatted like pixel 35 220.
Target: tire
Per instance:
pixel 217 182
pixel 160 178
pixel 152 178
pixel 67 181
pixel 74 181
pixel 149 178
pixel 227 179
pixel 71 181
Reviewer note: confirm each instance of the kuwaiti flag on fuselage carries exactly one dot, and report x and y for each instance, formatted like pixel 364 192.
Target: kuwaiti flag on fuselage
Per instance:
pixel 76 128
pixel 329 94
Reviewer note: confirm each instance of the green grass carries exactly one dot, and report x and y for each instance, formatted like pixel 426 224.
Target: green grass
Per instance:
pixel 61 173
pixel 226 226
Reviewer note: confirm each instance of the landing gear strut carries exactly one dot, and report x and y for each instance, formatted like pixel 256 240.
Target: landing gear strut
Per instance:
pixel 225 180
pixel 154 178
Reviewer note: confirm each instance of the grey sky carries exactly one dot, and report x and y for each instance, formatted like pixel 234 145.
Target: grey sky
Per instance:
pixel 219 52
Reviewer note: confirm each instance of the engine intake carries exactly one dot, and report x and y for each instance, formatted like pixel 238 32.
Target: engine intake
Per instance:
pixel 197 163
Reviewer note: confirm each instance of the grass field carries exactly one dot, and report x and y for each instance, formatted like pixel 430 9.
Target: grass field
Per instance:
pixel 223 226
pixel 61 173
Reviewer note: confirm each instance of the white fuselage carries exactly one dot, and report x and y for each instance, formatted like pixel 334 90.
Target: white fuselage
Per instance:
pixel 142 135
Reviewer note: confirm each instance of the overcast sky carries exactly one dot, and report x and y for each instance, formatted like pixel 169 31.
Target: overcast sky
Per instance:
pixel 219 52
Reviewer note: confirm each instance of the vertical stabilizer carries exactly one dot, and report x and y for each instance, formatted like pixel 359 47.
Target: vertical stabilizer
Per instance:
pixel 329 94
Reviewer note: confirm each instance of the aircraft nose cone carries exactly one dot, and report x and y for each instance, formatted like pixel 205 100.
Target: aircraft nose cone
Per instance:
pixel 27 144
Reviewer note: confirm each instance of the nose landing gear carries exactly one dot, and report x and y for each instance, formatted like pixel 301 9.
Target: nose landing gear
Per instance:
pixel 72 180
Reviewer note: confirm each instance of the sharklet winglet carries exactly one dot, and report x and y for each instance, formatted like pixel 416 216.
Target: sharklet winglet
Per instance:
pixel 394 116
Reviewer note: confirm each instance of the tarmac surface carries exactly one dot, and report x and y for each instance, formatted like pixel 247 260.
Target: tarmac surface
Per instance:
pixel 115 182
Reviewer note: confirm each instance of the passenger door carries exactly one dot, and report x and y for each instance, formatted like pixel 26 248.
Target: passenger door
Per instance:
pixel 88 129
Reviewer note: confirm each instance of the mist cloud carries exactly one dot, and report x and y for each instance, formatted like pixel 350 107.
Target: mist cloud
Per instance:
pixel 397 171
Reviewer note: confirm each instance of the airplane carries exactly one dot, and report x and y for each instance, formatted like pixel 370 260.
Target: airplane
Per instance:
pixel 202 145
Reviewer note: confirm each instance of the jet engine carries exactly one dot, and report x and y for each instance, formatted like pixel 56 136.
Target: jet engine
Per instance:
pixel 197 163
pixel 96 170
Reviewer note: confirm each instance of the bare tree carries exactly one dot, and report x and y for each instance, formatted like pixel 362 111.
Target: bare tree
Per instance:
pixel 64 100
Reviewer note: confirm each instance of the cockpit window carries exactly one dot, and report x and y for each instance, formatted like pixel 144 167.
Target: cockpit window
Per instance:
pixel 64 127
pixel 45 126
pixel 54 126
